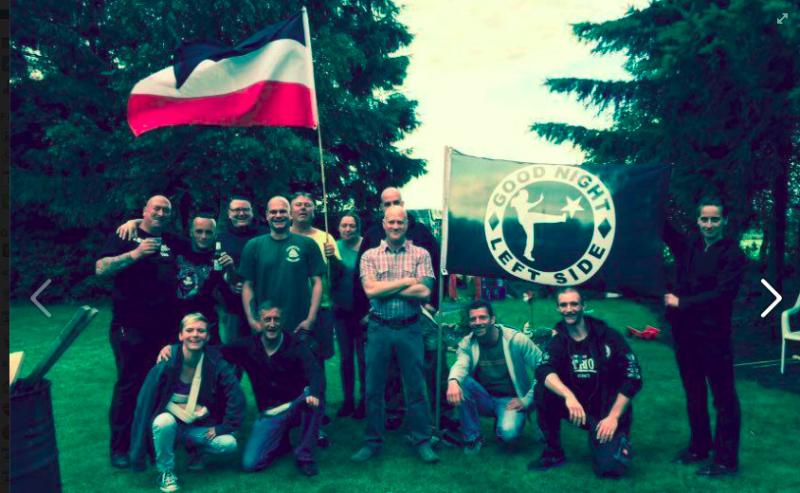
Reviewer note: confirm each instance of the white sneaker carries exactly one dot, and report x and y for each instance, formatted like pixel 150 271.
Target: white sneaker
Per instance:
pixel 168 482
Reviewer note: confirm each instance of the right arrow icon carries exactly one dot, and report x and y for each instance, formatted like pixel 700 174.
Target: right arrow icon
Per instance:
pixel 777 296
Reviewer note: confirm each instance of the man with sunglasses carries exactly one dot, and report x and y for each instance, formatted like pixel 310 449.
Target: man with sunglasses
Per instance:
pixel 241 226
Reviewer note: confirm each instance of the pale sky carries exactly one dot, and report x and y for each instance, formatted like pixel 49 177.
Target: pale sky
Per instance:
pixel 478 69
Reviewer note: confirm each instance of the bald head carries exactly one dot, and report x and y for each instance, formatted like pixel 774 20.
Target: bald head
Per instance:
pixel 278 199
pixel 395 211
pixel 158 199
pixel 278 216
pixel 156 214
pixel 391 196
pixel 395 224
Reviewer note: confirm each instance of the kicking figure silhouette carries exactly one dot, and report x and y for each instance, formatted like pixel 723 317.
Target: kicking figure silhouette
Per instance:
pixel 528 218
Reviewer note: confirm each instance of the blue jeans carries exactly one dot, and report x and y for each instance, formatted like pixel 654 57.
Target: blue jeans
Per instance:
pixel 166 429
pixel 408 344
pixel 477 402
pixel 263 445
pixel 351 340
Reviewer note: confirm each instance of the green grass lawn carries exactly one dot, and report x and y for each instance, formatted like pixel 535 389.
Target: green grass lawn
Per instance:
pixel 84 377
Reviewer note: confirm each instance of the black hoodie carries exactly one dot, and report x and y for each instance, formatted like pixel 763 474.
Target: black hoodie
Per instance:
pixel 617 367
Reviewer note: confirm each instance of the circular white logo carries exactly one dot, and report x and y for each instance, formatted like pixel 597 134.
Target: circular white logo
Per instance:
pixel 550 224
pixel 292 253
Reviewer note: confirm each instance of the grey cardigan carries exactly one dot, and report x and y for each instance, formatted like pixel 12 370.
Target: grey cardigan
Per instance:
pixel 520 353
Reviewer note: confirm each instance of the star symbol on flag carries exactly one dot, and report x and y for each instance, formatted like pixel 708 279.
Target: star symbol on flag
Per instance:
pixel 573 206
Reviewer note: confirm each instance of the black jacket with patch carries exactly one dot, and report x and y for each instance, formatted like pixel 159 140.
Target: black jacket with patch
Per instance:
pixel 618 369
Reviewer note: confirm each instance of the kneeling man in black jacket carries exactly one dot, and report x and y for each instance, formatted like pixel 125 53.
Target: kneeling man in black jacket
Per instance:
pixel 590 376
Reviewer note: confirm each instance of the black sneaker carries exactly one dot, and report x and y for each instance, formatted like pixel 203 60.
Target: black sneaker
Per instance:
pixel 426 453
pixel 360 412
pixel 472 447
pixel 284 446
pixel 547 461
pixel 308 467
pixel 686 456
pixel 120 461
pixel 393 422
pixel 716 469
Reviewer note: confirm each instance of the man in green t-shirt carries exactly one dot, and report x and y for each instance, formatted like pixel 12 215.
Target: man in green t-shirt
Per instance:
pixel 285 268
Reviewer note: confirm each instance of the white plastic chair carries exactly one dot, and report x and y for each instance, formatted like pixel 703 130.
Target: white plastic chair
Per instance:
pixel 787 332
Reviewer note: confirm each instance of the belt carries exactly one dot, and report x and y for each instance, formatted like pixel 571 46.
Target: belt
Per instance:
pixel 395 323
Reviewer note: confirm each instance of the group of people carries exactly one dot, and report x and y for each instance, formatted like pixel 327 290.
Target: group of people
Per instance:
pixel 284 290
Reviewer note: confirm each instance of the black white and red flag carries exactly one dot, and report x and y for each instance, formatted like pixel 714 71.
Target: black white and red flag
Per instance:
pixel 267 79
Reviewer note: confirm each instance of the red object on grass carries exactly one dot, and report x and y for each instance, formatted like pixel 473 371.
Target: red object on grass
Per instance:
pixel 648 333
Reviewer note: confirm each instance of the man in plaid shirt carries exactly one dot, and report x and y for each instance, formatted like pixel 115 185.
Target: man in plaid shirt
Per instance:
pixel 397 278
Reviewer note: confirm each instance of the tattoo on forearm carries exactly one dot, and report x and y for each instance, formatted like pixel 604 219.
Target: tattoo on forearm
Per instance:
pixel 109 265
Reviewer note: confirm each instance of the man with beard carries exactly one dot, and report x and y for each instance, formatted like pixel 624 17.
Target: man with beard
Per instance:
pixel 143 301
pixel 491 377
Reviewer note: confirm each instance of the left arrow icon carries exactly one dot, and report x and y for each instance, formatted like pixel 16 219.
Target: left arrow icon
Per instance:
pixel 37 293
pixel 777 296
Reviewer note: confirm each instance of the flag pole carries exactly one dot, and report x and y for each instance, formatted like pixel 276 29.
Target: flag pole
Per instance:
pixel 442 273
pixel 315 110
pixel 324 190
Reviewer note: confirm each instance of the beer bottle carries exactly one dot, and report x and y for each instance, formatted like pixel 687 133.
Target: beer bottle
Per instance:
pixel 217 255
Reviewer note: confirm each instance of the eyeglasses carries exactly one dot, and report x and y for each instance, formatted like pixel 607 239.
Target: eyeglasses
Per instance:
pixel 241 210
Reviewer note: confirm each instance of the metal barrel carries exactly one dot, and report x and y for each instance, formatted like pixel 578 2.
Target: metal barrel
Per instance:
pixel 32 441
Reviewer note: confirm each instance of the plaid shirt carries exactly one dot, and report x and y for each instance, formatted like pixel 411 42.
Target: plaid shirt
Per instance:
pixel 383 264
